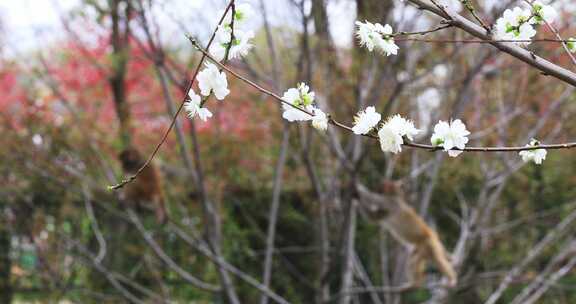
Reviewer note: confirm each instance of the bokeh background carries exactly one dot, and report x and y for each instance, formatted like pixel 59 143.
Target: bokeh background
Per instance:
pixel 256 204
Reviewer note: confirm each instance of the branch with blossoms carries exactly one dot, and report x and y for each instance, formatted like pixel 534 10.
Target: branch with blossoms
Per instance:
pixel 514 29
pixel 512 26
pixel 545 14
pixel 452 137
pixel 509 29
pixel 183 103
pixel 445 24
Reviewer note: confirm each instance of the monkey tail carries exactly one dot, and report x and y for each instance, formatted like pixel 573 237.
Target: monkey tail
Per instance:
pixel 441 259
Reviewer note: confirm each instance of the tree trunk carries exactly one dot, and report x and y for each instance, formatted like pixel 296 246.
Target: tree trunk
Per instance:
pixel 119 57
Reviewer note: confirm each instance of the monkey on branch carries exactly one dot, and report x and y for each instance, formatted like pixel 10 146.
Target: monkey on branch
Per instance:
pixel 145 192
pixel 392 211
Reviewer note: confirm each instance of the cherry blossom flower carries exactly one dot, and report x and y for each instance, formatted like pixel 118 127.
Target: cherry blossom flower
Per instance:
pixel 543 13
pixel 292 114
pixel 243 13
pixel 391 134
pixel 365 120
pixel 390 139
pixel 537 156
pixel 515 25
pixel 300 97
pixel 211 80
pixel 242 44
pixel 403 126
pixel 375 36
pixel 450 135
pixel 320 120
pixel 193 108
pixel 240 47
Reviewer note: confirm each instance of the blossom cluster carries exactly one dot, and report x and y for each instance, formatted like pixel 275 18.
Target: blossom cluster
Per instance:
pixel 537 156
pixel 299 106
pixel 392 132
pixel 374 36
pixel 231 40
pixel 233 37
pixel 451 136
pixel 518 24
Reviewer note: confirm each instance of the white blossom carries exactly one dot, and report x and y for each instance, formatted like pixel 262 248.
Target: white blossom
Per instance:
pixel 243 13
pixel 211 80
pixel 402 126
pixel 515 25
pixel 386 42
pixel 300 97
pixel 450 135
pixel 517 16
pixel 365 120
pixel 217 51
pixel 525 32
pixel 543 13
pixel 292 114
pixel 204 114
pixel 366 32
pixel 193 108
pixel 537 156
pixel 390 140
pixel 320 120
pixel 240 46
pixel 375 36
pixel 392 132
pixel 221 40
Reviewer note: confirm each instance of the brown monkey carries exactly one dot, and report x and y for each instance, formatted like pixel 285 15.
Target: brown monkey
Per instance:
pixel 392 211
pixel 145 191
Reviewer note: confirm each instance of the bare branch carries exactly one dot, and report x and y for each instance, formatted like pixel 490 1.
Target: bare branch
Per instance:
pixel 532 254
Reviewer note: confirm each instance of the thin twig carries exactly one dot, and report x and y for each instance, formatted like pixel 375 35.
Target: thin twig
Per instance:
pixel 196 282
pixel 472 11
pixel 220 262
pixel 422 33
pixel 534 252
pixel 94 223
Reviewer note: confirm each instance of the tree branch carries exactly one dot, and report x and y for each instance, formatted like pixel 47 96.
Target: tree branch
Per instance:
pixel 475 30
